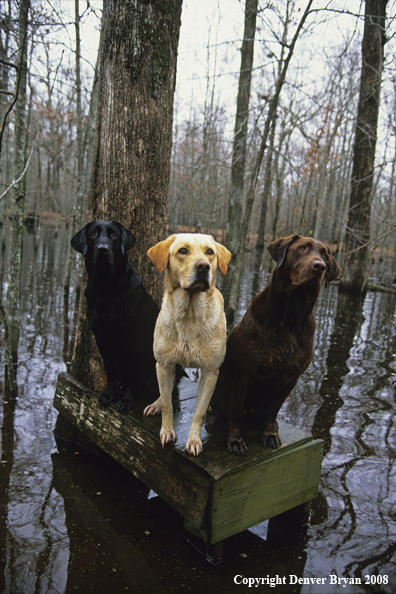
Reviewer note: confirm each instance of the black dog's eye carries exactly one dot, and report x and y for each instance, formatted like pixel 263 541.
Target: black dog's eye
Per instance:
pixel 114 235
pixel 210 252
pixel 183 251
pixel 94 234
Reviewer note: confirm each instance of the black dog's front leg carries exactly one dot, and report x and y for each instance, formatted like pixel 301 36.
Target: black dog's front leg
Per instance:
pixel 109 394
pixel 126 403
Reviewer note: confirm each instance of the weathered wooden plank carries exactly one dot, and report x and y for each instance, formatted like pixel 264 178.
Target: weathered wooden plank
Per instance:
pixel 166 471
pixel 265 490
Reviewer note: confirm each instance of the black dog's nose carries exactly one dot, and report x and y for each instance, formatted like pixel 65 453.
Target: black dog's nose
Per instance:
pixel 319 266
pixel 102 248
pixel 202 266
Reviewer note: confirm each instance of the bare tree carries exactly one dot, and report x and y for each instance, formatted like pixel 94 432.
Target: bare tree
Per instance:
pixel 241 126
pixel 356 255
pixel 11 312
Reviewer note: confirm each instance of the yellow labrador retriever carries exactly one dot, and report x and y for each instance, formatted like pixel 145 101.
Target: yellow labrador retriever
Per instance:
pixel 191 326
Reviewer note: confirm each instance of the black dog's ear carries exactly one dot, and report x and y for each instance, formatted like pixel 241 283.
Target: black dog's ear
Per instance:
pixel 128 239
pixel 79 241
pixel 333 271
pixel 278 248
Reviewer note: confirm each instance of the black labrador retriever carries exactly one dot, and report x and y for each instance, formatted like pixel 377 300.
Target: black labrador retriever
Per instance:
pixel 120 312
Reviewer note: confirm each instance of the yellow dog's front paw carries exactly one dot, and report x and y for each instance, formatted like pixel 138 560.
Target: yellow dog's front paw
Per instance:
pixel 167 435
pixel 153 409
pixel 194 446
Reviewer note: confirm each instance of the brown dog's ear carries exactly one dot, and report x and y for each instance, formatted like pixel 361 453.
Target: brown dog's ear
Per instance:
pixel 278 248
pixel 223 257
pixel 333 271
pixel 159 253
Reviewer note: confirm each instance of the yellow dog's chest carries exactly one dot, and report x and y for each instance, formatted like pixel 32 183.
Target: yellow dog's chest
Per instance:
pixel 198 345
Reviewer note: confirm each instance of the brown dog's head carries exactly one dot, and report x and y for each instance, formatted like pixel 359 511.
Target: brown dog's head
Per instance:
pixel 307 260
pixel 190 260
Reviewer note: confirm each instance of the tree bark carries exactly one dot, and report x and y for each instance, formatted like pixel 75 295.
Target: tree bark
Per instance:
pixel 356 259
pixel 133 141
pixel 241 125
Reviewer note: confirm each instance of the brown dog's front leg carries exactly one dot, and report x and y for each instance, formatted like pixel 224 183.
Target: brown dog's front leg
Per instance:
pixel 270 437
pixel 235 443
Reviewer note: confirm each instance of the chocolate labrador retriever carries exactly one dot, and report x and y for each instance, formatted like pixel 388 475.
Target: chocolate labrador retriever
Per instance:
pixel 273 344
pixel 121 313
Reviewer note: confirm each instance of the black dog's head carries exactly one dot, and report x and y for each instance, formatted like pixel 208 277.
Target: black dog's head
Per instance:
pixel 104 245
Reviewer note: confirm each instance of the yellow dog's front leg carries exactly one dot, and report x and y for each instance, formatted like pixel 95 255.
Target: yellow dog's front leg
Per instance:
pixel 206 388
pixel 165 383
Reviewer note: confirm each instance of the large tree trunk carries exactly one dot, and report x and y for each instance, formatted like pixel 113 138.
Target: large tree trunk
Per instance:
pixel 241 126
pixel 133 140
pixel 356 259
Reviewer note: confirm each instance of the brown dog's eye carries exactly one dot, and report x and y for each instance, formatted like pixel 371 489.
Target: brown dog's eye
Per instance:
pixel 303 248
pixel 325 257
pixel 183 251
pixel 210 252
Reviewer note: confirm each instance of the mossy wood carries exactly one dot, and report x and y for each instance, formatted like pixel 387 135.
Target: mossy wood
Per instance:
pixel 218 494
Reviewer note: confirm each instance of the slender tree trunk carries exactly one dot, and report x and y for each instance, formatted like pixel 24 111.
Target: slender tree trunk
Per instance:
pixel 79 114
pixel 265 196
pixel 241 125
pixel 356 259
pixel 12 306
pixel 133 141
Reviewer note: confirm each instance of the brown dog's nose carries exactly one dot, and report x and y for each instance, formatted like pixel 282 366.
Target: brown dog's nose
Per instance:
pixel 202 266
pixel 319 266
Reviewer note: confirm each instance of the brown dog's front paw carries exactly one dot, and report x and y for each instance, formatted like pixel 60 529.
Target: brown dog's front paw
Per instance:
pixel 271 440
pixel 236 445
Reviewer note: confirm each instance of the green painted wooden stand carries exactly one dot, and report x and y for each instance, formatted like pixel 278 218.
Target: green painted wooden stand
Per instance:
pixel 217 493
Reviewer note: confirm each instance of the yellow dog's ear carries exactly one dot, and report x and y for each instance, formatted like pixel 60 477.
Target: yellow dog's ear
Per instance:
pixel 159 253
pixel 223 257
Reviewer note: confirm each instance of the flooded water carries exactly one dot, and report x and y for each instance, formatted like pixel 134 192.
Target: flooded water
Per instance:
pixel 74 522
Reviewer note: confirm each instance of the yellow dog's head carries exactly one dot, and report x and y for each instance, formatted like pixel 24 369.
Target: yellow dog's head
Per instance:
pixel 190 259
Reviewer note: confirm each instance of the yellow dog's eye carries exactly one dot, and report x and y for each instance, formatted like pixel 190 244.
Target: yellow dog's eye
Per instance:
pixel 183 251
pixel 210 252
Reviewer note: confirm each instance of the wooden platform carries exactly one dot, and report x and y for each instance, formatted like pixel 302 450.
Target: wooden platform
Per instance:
pixel 217 493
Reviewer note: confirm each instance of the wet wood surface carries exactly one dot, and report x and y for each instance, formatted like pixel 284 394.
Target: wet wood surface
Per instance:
pixel 217 493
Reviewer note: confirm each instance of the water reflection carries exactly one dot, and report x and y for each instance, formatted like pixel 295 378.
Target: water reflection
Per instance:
pixel 75 522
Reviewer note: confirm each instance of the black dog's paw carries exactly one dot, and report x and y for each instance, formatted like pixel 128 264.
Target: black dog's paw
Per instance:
pixel 125 404
pixel 271 440
pixel 236 445
pixel 107 397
